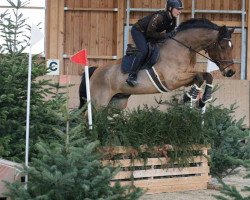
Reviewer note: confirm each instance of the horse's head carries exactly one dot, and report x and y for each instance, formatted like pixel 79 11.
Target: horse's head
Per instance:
pixel 221 52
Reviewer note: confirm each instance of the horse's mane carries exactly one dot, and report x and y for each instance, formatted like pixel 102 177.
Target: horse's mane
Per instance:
pixel 196 23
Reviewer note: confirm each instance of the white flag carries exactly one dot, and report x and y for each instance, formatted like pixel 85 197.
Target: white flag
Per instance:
pixel 211 66
pixel 36 35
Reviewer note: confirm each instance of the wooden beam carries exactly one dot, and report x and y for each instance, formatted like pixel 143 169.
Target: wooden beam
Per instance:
pixel 92 9
pixel 120 26
pixel 220 23
pixel 54 30
pixel 229 23
pixel 95 57
pixel 60 43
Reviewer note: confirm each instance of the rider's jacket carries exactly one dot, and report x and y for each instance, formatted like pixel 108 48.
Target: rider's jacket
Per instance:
pixel 153 25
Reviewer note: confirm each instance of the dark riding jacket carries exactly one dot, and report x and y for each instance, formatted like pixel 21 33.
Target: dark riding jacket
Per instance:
pixel 153 25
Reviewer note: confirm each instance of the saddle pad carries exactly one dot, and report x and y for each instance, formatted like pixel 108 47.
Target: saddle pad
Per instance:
pixel 154 77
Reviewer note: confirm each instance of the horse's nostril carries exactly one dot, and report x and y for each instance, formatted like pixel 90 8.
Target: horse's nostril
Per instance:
pixel 230 73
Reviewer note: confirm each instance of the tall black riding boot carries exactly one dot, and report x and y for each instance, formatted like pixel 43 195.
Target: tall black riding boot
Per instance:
pixel 132 77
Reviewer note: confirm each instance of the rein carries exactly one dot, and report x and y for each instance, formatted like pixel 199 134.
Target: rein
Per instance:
pixel 217 62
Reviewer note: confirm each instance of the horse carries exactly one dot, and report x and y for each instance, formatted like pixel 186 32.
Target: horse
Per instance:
pixel 175 66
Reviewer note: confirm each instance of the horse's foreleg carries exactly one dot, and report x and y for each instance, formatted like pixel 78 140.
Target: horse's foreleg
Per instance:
pixel 207 96
pixel 100 98
pixel 192 94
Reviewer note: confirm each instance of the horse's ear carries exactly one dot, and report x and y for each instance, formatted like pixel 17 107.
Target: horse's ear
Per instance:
pixel 222 32
pixel 231 31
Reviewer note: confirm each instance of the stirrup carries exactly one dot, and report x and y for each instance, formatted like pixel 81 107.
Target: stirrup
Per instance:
pixel 131 82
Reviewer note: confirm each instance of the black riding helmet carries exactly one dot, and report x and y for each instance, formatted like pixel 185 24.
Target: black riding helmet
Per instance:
pixel 174 4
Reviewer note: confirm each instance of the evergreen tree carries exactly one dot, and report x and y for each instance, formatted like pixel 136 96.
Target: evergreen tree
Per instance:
pixel 231 192
pixel 227 152
pixel 13 89
pixel 70 168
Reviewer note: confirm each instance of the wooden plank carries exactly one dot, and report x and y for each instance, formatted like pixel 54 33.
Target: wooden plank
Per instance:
pixel 60 45
pixel 120 24
pixel 102 40
pixel 198 5
pixel 220 23
pixel 208 5
pixel 53 29
pixel 77 34
pixel 161 172
pixel 94 30
pixel 170 184
pixel 167 181
pixel 150 161
pixel 86 24
pixel 225 6
pixel 68 46
pixel 216 7
pixel 175 188
pixel 109 36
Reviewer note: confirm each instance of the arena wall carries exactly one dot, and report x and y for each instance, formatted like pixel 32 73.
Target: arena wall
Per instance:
pixel 99 26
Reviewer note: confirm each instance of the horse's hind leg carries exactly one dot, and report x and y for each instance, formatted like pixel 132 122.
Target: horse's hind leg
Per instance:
pixel 120 100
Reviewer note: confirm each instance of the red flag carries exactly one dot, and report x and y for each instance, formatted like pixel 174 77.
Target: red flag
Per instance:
pixel 80 57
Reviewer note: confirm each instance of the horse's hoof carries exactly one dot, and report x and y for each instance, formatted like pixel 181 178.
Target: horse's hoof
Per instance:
pixel 186 98
pixel 201 103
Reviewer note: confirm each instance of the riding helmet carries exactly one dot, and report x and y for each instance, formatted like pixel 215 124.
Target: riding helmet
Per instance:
pixel 174 4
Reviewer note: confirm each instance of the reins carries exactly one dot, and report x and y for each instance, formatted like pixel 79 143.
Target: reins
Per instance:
pixel 217 62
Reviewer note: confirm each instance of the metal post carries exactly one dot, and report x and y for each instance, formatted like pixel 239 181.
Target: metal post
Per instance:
pixel 243 42
pixel 126 35
pixel 193 8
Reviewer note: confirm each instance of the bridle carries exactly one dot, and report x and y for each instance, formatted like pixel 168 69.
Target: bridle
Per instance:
pixel 217 62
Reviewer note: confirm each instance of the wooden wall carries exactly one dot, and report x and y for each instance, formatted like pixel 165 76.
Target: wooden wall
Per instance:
pixel 98 26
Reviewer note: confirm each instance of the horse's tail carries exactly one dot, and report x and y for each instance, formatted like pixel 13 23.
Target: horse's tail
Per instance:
pixel 82 87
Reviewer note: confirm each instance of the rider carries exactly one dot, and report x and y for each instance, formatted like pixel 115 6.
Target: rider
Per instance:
pixel 150 29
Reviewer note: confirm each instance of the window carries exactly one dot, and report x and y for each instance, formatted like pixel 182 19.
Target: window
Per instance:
pixel 34 12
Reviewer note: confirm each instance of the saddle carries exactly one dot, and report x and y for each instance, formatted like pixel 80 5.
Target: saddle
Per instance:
pixel 130 56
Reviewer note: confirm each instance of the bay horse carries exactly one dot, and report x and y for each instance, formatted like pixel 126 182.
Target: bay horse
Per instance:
pixel 175 66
